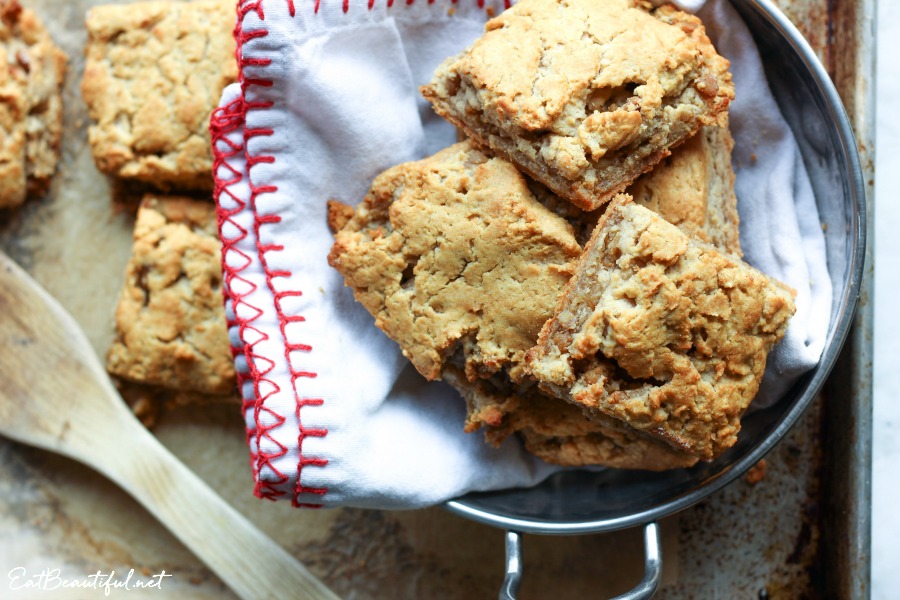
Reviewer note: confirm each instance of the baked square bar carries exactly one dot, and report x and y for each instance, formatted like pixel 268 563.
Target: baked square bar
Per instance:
pixel 153 76
pixel 31 79
pixel 585 95
pixel 556 431
pixel 170 322
pixel 694 189
pixel 454 257
pixel 662 332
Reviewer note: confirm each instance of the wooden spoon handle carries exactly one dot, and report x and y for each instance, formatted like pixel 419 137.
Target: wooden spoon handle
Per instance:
pixel 56 395
pixel 248 561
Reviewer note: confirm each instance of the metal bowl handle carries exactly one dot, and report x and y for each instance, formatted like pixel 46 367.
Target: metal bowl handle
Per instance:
pixel 644 590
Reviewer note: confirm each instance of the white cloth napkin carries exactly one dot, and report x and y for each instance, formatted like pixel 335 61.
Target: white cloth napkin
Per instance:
pixel 329 98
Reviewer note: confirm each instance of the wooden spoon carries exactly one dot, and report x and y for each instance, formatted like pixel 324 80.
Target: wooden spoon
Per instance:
pixel 56 395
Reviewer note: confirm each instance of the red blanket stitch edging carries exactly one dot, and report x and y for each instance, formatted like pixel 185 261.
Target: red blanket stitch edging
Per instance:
pixel 265 459
pixel 226 120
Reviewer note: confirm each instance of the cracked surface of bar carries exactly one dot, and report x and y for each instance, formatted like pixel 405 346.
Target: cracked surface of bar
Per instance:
pixel 453 255
pixel 170 322
pixel 662 332
pixel 585 95
pixel 153 76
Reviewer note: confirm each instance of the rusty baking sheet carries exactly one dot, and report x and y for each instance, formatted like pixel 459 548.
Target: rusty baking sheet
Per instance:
pixel 791 529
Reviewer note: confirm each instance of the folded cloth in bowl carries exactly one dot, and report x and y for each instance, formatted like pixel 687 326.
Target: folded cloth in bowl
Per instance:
pixel 327 99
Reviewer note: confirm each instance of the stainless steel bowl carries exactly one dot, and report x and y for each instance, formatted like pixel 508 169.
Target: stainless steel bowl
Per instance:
pixel 575 502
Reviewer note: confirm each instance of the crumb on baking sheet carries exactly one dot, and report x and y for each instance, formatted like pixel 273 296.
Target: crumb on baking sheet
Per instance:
pixel 756 473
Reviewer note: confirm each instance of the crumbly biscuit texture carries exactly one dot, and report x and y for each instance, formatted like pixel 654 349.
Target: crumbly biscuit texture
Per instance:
pixel 585 95
pixel 32 70
pixel 153 76
pixel 454 256
pixel 662 331
pixel 556 431
pixel 339 214
pixel 170 322
pixel 694 189
pixel 581 221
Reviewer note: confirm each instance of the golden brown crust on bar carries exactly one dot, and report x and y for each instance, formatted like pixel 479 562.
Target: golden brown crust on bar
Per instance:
pixel 453 254
pixel 584 95
pixel 32 70
pixel 581 221
pixel 170 322
pixel 339 214
pixel 154 74
pixel 694 189
pixel 556 431
pixel 662 332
